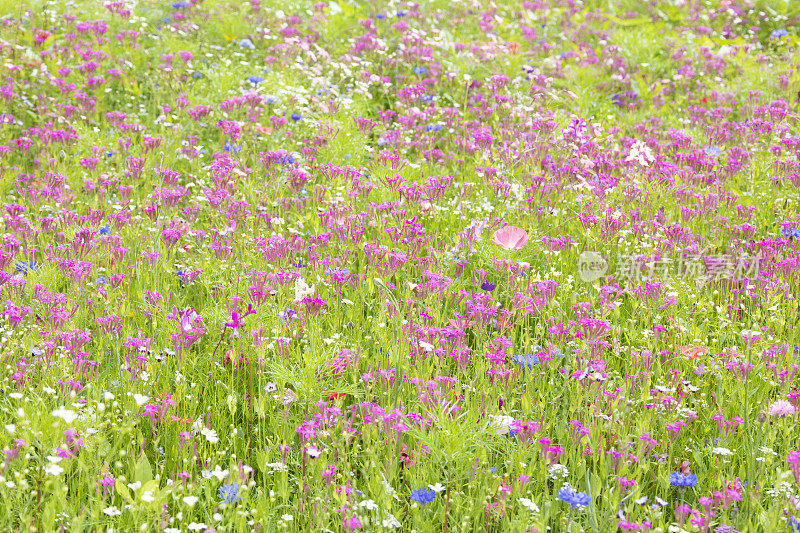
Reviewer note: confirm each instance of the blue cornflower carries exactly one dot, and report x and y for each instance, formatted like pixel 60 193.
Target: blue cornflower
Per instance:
pixel 104 229
pixel 572 497
pixel 713 151
pixel 109 153
pixel 523 360
pixel 683 480
pixel 401 13
pixel 287 159
pixel 344 271
pixel 422 496
pixel 488 286
pixel 420 70
pixel 794 525
pixel 235 148
pixel 791 234
pixel 380 16
pixel 247 43
pixel 296 116
pixel 229 493
pixel 197 75
pixel 101 280
pixel 299 264
pixel 426 98
pixel 180 5
pixel 255 79
pixel 776 34
pixel 26 266
pixel 433 127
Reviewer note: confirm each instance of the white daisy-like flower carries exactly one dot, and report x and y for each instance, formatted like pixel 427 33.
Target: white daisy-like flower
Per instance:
pixel 529 505
pixel 53 469
pixel 112 511
pixel 140 399
pixel 195 526
pixel 369 505
pixel 437 488
pixel 391 522
pixel 210 435
pixel 190 500
pixel 147 496
pixel 67 415
pixel 287 518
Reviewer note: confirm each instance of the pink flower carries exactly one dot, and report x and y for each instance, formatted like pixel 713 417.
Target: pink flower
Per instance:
pixel 510 238
pixel 782 408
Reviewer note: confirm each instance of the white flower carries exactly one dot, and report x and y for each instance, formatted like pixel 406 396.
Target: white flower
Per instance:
pixel 426 346
pixel 313 452
pixel 53 469
pixel 217 517
pixel 210 435
pixel 391 522
pixel 194 526
pixel 437 488
pixel 528 504
pixel 141 399
pixel 302 289
pixel 197 426
pixel 287 518
pixel 556 471
pixel 190 500
pixel 370 505
pixel 277 467
pixel 11 428
pixel 66 415
pixel 148 496
pixel 135 485
pixel 722 451
pixel 390 490
pixel 217 473
pixel 112 511
pixel 501 424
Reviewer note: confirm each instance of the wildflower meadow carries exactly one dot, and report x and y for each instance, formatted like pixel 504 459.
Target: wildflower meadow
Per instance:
pixel 487 265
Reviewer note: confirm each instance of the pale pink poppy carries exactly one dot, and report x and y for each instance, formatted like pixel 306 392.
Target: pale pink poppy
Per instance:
pixel 510 238
pixel 461 323
pixel 782 408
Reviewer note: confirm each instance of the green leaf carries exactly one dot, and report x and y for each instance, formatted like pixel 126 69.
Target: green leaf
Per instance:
pixel 123 491
pixel 143 472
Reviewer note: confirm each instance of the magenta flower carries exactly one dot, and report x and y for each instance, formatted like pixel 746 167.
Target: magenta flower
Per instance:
pixel 510 238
